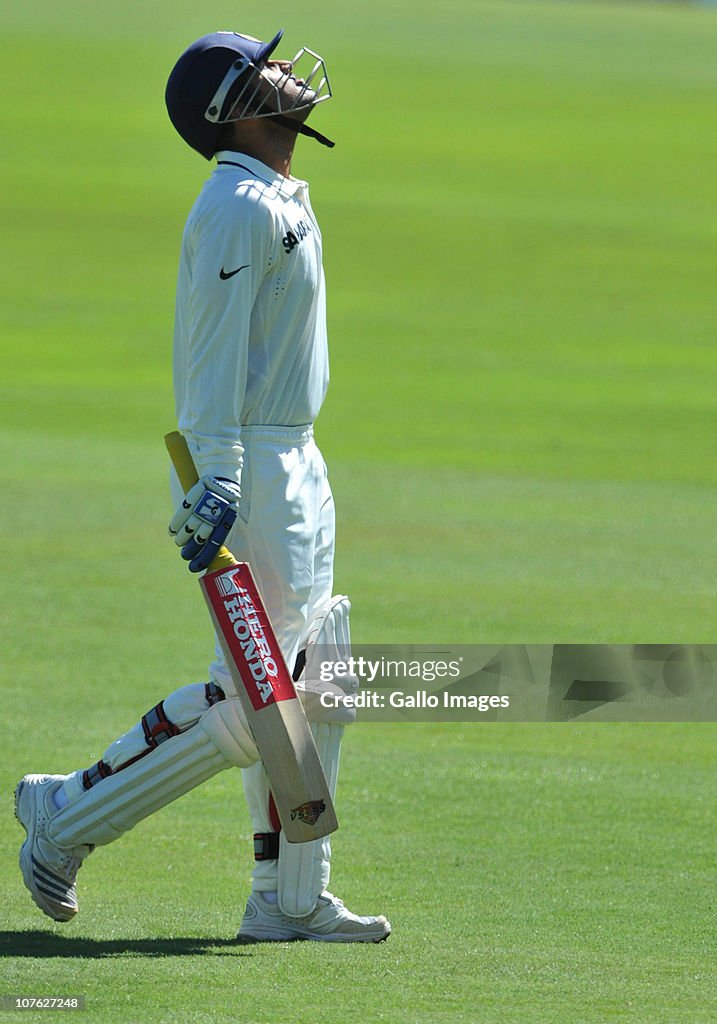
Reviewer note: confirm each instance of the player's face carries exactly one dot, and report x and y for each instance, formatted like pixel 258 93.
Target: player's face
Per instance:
pixel 293 88
pixel 289 87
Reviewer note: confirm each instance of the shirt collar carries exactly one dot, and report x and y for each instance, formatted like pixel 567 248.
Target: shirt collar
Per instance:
pixel 286 186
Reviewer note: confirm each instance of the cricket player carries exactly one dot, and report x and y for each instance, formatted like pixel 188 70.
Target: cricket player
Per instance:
pixel 250 375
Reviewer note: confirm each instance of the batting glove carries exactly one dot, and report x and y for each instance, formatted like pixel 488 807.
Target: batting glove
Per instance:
pixel 205 517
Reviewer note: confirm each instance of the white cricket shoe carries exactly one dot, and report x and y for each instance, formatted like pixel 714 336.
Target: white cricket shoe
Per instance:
pixel 330 921
pixel 49 872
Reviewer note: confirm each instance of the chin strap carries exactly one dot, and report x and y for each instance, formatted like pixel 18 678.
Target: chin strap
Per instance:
pixel 303 129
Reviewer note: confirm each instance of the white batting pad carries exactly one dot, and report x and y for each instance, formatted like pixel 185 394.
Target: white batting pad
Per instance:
pixel 117 803
pixel 301 873
pixel 328 641
pixel 303 868
pixel 330 628
pixel 184 708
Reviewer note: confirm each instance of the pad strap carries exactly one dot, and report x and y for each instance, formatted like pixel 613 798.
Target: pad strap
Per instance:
pixel 299 665
pixel 157 727
pixel 95 774
pixel 266 846
pixel 213 693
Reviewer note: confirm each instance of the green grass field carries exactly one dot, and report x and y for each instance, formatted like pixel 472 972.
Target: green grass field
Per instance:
pixel 519 228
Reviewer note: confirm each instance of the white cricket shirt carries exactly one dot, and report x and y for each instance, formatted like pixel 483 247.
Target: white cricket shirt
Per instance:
pixel 250 344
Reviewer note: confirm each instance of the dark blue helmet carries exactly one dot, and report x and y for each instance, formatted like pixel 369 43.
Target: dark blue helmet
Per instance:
pixel 198 75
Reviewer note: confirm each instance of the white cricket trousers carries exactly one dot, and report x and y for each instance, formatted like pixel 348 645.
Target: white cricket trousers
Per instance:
pixel 285 531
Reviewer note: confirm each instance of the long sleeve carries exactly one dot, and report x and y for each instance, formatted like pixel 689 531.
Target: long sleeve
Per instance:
pixel 225 259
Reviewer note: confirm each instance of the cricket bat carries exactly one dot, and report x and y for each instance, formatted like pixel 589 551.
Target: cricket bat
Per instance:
pixel 263 684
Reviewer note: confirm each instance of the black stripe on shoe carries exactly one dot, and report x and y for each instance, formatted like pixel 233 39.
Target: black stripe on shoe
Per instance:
pixel 55 897
pixel 60 891
pixel 49 875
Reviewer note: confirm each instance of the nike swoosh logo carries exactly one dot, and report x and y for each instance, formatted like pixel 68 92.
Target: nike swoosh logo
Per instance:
pixel 225 277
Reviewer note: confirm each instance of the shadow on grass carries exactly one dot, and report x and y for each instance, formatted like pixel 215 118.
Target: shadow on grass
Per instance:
pixel 46 944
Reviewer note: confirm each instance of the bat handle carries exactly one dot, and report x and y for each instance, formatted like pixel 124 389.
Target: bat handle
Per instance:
pixel 183 463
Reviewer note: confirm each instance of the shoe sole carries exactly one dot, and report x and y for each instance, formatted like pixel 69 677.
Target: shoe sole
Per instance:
pixel 246 938
pixel 26 814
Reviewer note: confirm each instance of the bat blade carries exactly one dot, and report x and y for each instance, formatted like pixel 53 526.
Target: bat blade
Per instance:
pixel 272 707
